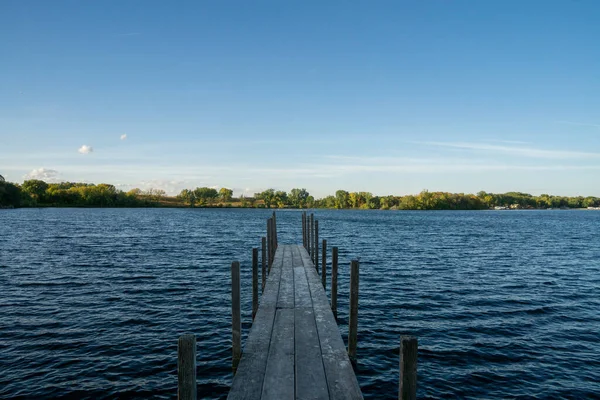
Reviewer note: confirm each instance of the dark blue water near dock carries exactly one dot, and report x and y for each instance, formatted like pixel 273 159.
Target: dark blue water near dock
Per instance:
pixel 505 304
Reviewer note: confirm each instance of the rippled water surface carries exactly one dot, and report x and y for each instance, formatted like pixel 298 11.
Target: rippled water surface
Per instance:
pixel 505 304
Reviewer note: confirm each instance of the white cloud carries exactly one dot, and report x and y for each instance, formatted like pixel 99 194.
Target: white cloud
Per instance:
pixel 85 149
pixel 124 136
pixel 44 174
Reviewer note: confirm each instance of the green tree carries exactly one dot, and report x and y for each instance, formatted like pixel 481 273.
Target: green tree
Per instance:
pixel 225 194
pixel 205 195
pixel 280 198
pixel 187 196
pixel 35 188
pixel 297 197
pixel 342 199
pixel 267 196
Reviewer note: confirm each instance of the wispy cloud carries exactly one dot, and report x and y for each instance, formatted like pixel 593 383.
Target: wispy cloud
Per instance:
pixel 124 136
pixel 44 174
pixel 529 152
pixel 85 149
pixel 579 124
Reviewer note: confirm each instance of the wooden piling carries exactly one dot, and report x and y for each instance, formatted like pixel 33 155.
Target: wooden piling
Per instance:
pixel 264 262
pixel 236 315
pixel 316 257
pixel 186 367
pixel 254 282
pixel 353 318
pixel 275 241
pixel 303 229
pixel 311 245
pixel 311 223
pixel 324 265
pixel 408 368
pixel 334 279
pixel 269 244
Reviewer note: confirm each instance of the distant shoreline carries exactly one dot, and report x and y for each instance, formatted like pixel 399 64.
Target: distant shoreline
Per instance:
pixel 37 193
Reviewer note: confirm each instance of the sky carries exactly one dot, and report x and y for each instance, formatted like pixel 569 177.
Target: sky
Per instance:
pixel 390 97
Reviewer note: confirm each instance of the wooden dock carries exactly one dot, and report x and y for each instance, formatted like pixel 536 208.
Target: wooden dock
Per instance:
pixel 294 349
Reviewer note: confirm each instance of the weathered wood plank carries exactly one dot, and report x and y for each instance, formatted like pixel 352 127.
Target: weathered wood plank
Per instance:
pixel 279 375
pixel 248 382
pixel 286 287
pixel 338 369
pixel 294 352
pixel 310 375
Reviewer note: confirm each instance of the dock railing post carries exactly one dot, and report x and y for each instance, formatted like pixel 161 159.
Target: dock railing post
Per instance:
pixel 353 319
pixel 236 316
pixel 276 242
pixel 303 229
pixel 186 367
pixel 269 244
pixel 316 255
pixel 264 262
pixel 408 368
pixel 254 282
pixel 334 279
pixel 324 265
pixel 311 234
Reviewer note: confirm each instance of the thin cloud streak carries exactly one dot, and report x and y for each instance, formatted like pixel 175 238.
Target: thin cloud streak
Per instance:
pixel 529 152
pixel 578 124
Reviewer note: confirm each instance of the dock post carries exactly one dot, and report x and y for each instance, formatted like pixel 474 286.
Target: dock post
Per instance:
pixel 264 262
pixel 269 244
pixel 334 278
pixel 275 232
pixel 408 368
pixel 303 229
pixel 254 282
pixel 272 244
pixel 186 367
pixel 311 234
pixel 324 264
pixel 353 319
pixel 236 316
pixel 316 255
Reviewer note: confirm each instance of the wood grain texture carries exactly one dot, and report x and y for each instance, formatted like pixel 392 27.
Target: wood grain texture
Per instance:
pixel 408 368
pixel 294 348
pixel 186 367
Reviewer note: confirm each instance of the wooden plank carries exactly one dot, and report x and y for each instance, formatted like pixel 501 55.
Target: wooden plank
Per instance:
pixel 301 291
pixel 341 379
pixel 248 382
pixel 311 382
pixel 279 375
pixel 286 287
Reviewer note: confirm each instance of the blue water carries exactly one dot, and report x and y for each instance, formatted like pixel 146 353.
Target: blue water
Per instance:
pixel 505 304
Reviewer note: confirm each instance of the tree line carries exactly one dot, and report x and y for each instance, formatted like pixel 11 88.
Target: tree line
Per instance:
pixel 37 193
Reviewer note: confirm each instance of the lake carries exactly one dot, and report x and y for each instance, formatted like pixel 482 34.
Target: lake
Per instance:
pixel 505 304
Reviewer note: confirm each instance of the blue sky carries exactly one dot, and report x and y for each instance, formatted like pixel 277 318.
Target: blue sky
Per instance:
pixel 390 97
